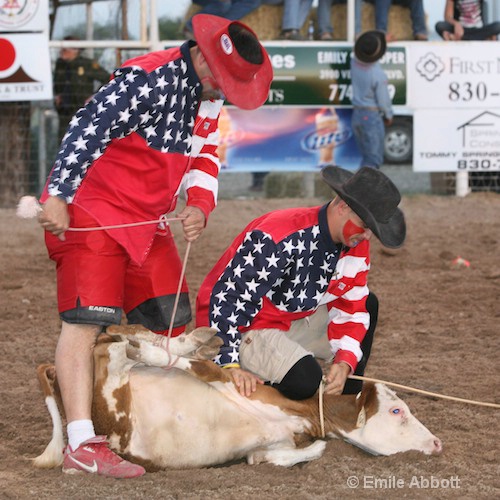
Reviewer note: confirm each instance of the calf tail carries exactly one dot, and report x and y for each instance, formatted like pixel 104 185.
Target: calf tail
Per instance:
pixel 53 453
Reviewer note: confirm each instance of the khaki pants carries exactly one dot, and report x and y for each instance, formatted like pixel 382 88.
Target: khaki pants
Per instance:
pixel 270 353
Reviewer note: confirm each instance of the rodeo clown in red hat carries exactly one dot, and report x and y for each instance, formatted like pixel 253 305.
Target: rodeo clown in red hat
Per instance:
pixel 145 136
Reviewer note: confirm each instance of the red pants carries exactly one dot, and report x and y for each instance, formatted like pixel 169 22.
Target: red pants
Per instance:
pixel 96 279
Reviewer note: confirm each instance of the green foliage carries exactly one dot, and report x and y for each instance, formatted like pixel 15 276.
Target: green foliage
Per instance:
pixel 170 29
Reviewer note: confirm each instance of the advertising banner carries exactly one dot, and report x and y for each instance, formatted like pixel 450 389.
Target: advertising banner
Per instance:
pixel 455 75
pixel 459 140
pixel 306 120
pixel 23 76
pixel 286 139
pixel 318 74
pixel 455 90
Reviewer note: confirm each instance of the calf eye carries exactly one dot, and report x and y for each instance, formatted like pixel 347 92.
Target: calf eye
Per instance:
pixel 395 411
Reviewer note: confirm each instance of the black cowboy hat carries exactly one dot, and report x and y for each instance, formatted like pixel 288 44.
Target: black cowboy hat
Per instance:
pixel 370 46
pixel 373 197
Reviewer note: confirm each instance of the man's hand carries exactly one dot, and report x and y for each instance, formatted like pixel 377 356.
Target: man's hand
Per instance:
pixel 193 222
pixel 245 381
pixel 54 217
pixel 336 378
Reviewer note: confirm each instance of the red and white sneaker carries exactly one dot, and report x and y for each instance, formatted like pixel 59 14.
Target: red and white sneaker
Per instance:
pixel 95 457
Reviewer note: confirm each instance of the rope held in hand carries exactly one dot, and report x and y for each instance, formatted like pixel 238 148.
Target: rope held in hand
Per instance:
pixel 171 363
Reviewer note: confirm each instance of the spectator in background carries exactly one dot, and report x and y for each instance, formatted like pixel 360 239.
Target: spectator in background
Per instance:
pixel 75 77
pixel 325 28
pixel 229 9
pixel 417 15
pixel 370 97
pixel 382 7
pixel 464 20
pixel 295 13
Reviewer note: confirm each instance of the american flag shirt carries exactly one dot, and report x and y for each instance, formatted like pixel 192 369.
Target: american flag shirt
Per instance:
pixel 144 137
pixel 280 269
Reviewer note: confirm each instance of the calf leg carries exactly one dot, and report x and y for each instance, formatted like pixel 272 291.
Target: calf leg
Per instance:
pixel 287 456
pixel 201 343
pixel 204 369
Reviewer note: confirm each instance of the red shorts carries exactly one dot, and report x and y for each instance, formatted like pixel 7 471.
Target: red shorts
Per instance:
pixel 96 279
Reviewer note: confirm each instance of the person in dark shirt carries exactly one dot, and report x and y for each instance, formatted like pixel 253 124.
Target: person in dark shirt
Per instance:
pixel 75 78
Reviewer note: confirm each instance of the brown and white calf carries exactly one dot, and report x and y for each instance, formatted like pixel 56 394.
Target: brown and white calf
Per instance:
pixel 191 415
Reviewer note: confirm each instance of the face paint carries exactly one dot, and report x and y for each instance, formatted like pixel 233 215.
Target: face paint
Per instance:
pixel 349 230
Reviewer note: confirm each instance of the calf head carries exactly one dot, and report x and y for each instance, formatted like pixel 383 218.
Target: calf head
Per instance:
pixel 385 425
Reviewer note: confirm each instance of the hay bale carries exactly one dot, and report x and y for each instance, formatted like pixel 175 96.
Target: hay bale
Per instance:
pixel 284 185
pixel 266 21
pixel 398 24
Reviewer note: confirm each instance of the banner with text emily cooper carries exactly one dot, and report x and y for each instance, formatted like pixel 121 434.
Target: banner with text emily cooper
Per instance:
pixel 455 91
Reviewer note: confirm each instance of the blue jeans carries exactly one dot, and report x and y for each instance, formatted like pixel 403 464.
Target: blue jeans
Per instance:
pixel 487 31
pixel 417 14
pixel 325 12
pixel 295 13
pixel 229 9
pixel 369 132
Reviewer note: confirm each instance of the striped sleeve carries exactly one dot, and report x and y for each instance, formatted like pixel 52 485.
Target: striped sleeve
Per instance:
pixel 348 318
pixel 200 182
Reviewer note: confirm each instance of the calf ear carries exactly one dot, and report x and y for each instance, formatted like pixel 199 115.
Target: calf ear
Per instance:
pixel 366 403
pixel 361 421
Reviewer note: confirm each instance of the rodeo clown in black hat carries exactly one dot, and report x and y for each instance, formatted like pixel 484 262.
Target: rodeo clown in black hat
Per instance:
pixel 372 106
pixel 292 287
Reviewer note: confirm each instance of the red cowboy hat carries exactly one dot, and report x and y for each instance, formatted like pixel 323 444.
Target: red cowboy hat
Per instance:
pixel 243 83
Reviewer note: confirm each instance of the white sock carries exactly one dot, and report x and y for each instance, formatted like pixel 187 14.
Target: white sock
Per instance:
pixel 79 431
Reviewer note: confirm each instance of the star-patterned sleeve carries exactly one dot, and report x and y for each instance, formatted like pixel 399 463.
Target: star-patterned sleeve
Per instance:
pixel 238 295
pixel 119 108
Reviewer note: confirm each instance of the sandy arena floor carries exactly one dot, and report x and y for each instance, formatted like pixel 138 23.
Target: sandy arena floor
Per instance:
pixel 438 330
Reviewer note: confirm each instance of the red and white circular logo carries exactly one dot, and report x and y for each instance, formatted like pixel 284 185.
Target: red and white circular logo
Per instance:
pixel 7 54
pixel 16 13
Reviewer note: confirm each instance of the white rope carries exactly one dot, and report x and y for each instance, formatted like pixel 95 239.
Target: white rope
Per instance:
pixel 163 218
pixel 320 402
pixel 420 391
pixel 29 207
pixel 159 341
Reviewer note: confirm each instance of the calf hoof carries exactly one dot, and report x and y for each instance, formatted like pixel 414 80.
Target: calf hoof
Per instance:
pixel 202 335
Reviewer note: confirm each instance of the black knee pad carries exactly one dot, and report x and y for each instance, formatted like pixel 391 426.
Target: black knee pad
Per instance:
pixel 302 380
pixel 155 314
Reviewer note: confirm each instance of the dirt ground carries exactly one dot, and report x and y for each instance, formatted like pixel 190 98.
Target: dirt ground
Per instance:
pixel 438 330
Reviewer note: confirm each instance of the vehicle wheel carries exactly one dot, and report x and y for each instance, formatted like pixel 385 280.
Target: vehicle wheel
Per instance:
pixel 398 142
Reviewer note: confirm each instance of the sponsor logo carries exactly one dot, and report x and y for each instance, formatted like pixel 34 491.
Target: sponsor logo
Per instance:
pixel 16 13
pixel 109 310
pixel 314 141
pixel 226 44
pixel 430 66
pixel 89 468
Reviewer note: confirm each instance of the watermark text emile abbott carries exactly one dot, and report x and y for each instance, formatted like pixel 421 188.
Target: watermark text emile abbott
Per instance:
pixel 393 482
